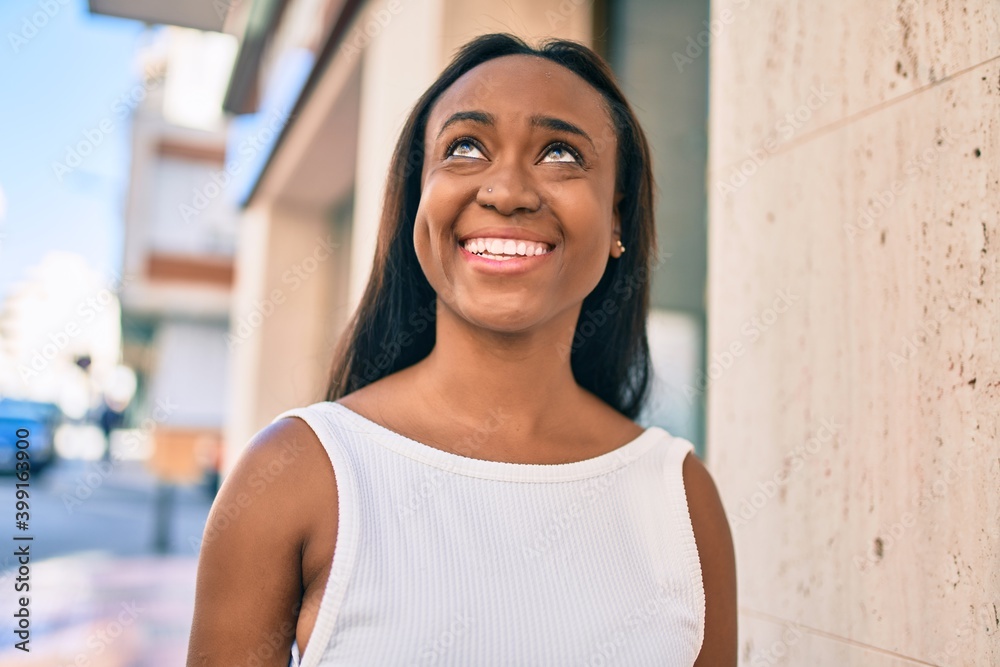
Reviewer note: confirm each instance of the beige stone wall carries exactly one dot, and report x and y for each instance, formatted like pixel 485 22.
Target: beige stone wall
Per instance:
pixel 287 312
pixel 398 65
pixel 854 316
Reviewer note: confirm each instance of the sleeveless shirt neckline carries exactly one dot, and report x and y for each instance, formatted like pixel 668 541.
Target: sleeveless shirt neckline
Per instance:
pixel 504 470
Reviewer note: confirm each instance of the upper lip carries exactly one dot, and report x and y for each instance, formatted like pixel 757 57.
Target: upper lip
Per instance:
pixel 507 233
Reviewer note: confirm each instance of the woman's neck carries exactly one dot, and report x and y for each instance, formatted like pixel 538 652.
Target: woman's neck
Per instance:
pixel 471 371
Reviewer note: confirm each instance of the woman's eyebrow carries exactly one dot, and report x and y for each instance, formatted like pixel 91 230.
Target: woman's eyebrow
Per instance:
pixel 480 117
pixel 559 125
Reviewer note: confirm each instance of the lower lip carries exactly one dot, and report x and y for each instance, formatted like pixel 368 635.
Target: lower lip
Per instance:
pixel 517 264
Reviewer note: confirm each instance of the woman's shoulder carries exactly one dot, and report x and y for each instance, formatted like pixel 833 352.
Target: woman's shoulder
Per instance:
pixel 289 441
pixel 282 464
pixel 718 562
pixel 263 520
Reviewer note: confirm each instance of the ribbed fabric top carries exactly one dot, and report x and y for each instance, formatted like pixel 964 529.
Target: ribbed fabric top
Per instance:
pixel 444 559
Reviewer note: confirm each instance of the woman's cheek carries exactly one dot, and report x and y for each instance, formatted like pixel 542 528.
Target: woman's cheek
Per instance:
pixel 426 255
pixel 436 209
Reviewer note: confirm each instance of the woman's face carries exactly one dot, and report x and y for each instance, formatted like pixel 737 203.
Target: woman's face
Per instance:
pixel 518 211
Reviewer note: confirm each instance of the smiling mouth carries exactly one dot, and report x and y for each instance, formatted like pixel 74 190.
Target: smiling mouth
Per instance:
pixel 505 249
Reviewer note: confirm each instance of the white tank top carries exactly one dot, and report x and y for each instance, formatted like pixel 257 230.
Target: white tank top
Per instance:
pixel 445 559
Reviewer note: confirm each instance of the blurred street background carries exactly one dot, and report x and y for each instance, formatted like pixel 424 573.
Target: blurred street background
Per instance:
pixel 189 196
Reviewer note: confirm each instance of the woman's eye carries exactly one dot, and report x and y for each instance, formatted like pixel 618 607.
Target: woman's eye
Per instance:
pixel 559 153
pixel 465 148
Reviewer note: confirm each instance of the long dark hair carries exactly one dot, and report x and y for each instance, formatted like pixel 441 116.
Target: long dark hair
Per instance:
pixel 393 326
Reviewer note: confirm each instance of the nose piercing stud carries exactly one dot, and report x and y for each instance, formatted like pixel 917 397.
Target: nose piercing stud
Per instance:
pixel 489 189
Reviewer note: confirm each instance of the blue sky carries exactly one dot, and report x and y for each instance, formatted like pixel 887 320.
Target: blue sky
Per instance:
pixel 60 82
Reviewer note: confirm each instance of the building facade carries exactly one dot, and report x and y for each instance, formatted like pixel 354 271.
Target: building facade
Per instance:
pixel 180 246
pixel 852 428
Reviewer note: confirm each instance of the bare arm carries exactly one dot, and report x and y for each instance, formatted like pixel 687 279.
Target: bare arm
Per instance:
pixel 718 566
pixel 250 575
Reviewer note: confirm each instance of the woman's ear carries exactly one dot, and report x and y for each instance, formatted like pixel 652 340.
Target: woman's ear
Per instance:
pixel 616 232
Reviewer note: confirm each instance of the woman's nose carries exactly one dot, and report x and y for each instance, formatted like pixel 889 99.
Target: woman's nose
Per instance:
pixel 509 190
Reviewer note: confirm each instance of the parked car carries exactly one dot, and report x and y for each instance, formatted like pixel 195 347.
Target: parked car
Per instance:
pixel 40 420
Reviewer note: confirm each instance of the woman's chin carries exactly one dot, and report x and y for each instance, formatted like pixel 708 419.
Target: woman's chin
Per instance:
pixel 508 319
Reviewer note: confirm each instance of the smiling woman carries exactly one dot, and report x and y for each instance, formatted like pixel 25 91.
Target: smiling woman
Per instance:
pixel 468 494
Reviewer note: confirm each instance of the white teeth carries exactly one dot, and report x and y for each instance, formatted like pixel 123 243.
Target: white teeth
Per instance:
pixel 495 248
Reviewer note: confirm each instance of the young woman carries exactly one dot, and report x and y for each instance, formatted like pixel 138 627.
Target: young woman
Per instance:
pixel 474 490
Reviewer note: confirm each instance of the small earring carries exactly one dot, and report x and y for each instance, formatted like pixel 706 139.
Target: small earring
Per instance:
pixel 621 246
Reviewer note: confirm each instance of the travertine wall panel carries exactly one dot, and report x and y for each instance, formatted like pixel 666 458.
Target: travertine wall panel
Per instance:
pixel 858 55
pixel 854 321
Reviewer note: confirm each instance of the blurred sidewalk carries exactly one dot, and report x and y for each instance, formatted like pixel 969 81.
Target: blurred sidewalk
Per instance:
pixel 96 610
pixel 99 594
pixel 109 507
